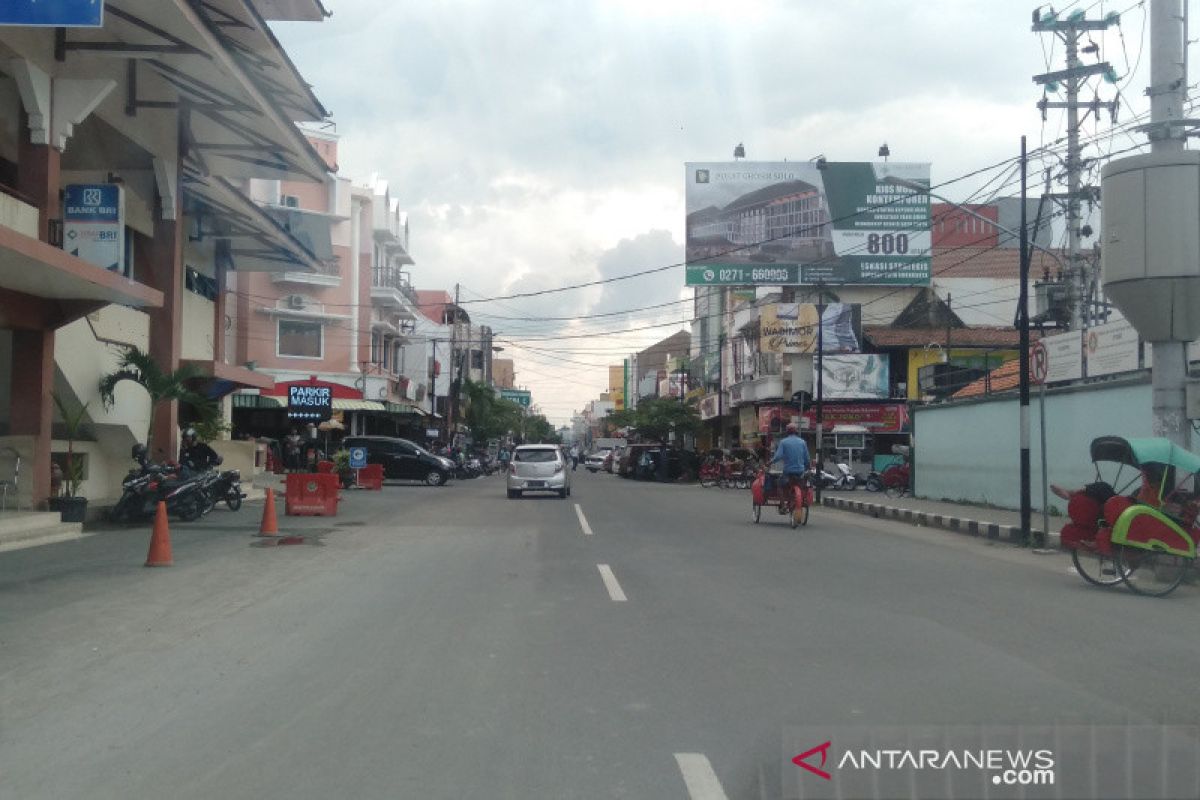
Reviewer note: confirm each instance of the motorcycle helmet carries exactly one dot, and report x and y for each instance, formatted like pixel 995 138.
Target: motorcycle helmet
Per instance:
pixel 188 434
pixel 138 453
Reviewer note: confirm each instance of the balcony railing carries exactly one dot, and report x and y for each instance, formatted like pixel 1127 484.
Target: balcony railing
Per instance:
pixel 390 284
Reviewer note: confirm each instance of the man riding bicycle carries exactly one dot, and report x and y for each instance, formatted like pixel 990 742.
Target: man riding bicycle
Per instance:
pixel 793 452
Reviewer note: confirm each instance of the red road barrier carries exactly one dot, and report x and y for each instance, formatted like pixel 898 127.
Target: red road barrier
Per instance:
pixel 371 477
pixel 325 467
pixel 312 494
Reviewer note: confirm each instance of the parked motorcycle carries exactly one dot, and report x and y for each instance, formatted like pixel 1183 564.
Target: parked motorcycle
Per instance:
pixel 143 488
pixel 843 479
pixel 873 482
pixel 223 485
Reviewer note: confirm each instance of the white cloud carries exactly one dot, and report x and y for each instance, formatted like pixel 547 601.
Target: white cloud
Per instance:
pixel 541 144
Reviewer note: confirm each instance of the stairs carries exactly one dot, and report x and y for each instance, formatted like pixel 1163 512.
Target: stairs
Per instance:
pixel 21 529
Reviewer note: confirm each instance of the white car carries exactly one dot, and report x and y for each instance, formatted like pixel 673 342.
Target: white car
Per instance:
pixel 595 461
pixel 538 468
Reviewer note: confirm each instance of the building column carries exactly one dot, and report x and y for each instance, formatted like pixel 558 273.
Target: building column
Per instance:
pixel 39 179
pixel 165 261
pixel 32 410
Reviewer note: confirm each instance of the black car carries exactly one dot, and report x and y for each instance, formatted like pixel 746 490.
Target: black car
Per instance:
pixel 403 460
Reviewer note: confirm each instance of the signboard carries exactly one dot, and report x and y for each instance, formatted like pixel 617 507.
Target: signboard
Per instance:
pixel 1056 358
pixel 792 328
pixel 358 457
pixel 786 223
pixel 94 224
pixel 53 13
pixel 710 406
pixel 522 397
pixel 432 433
pixel 748 423
pixel 310 402
pixel 853 377
pixel 878 417
pixel 1111 348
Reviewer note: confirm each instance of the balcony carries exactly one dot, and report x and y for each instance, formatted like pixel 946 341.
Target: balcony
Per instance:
pixel 391 287
pixel 329 278
pixel 757 390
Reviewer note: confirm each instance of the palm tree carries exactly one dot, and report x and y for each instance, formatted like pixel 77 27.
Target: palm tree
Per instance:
pixel 136 365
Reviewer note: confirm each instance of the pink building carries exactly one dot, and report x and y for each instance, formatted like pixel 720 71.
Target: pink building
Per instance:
pixel 346 326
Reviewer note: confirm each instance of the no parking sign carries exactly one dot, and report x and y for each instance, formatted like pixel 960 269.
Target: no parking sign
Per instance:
pixel 358 457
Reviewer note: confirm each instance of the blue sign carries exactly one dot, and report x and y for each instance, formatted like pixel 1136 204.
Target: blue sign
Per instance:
pixel 55 13
pixel 94 223
pixel 358 457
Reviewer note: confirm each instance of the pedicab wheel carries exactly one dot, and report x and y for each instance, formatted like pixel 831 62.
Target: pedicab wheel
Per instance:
pixel 1096 568
pixel 756 513
pixel 1150 573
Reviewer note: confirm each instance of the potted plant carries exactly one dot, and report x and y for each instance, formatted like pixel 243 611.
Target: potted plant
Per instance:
pixel 69 504
pixel 341 466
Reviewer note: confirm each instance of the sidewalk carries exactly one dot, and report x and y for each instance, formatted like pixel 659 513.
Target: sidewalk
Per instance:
pixel 993 523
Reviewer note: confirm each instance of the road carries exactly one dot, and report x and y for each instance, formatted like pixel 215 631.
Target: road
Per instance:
pixel 631 641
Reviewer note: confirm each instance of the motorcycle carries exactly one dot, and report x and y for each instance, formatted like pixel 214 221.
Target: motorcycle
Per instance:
pixel 873 482
pixel 844 479
pixel 143 488
pixel 223 485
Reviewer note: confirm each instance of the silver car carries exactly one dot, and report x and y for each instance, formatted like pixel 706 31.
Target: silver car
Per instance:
pixel 538 468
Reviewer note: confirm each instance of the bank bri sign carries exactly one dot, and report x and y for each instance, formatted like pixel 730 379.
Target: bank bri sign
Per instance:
pixel 53 13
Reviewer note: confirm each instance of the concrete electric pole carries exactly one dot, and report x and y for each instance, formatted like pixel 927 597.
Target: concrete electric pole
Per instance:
pixel 1151 242
pixel 1070 29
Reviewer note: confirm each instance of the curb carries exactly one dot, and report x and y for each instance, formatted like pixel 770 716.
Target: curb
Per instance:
pixel 969 527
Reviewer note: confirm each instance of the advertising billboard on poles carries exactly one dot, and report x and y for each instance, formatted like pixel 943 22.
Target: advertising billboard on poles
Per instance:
pixel 860 376
pixel 792 328
pixel 787 223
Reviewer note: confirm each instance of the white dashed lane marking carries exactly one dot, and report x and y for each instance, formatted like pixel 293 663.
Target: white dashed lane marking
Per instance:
pixel 610 583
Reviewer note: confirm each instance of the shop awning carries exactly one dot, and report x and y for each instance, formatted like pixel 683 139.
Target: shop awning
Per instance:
pixel 258 241
pixel 225 378
pixel 32 267
pixel 257 401
pixel 342 404
pixel 404 408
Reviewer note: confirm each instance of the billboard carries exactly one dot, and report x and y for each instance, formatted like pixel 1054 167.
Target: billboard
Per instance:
pixel 310 402
pixel 854 377
pixel 1112 348
pixel 521 397
pixel 792 328
pixel 53 13
pixel 787 223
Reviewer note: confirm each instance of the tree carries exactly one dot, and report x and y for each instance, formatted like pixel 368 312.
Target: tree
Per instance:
pixel 136 365
pixel 487 415
pixel 655 418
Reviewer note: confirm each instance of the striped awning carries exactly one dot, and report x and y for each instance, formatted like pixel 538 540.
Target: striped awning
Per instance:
pixel 257 401
pixel 404 408
pixel 342 404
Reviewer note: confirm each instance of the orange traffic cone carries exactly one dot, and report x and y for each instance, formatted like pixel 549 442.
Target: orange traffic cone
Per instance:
pixel 269 526
pixel 160 540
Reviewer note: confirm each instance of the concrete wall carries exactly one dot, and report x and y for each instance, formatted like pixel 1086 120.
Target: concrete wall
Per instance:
pixel 198 315
pixel 971 451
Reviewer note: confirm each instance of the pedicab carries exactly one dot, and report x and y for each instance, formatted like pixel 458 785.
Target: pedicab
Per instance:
pixel 791 496
pixel 1140 527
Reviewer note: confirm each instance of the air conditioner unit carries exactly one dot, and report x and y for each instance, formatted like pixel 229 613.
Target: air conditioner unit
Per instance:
pixel 290 200
pixel 295 301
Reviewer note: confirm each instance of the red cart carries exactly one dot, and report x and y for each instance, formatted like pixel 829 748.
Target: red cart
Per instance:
pixel 791 496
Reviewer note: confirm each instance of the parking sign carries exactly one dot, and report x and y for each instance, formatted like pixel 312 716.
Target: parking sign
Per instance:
pixel 358 457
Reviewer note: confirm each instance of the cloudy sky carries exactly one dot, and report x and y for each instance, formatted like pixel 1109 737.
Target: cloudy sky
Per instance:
pixel 541 144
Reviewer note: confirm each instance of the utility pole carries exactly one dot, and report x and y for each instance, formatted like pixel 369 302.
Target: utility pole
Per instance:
pixel 1070 30
pixel 820 367
pixel 452 401
pixel 433 376
pixel 1168 92
pixel 1023 354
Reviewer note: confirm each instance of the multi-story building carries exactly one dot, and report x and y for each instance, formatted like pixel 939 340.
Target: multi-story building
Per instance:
pixel 467 350
pixel 347 326
pixel 123 216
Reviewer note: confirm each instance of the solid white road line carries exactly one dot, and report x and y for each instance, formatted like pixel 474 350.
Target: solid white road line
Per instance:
pixel 610 583
pixel 587 529
pixel 702 783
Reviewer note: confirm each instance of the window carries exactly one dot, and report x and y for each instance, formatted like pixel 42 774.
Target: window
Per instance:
pixel 541 456
pixel 299 339
pixel 476 359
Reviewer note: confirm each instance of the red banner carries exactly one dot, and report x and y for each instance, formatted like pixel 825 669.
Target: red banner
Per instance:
pixel 877 417
pixel 336 390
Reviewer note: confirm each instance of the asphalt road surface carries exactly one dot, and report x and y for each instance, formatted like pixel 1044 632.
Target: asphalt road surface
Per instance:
pixel 631 641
